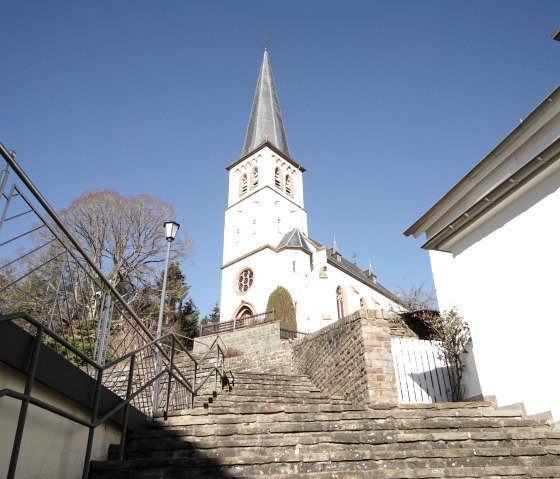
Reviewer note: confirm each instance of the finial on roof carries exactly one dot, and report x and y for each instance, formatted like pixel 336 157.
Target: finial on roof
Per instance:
pixel 265 122
pixel 370 268
pixel 335 246
pixel 265 43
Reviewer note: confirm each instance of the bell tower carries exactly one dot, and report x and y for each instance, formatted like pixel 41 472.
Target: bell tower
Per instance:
pixel 265 199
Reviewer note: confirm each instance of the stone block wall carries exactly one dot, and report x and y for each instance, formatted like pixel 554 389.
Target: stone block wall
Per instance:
pixel 250 340
pixel 351 358
pixel 278 361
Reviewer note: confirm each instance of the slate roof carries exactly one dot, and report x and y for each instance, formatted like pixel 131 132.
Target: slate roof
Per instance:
pixel 294 239
pixel 364 275
pixel 265 122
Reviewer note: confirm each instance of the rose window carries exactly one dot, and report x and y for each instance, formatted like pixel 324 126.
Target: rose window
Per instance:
pixel 245 280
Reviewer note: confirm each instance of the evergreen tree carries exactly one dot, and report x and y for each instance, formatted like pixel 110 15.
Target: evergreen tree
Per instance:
pixel 280 300
pixel 188 320
pixel 213 317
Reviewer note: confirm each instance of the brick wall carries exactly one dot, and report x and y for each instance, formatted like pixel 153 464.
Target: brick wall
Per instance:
pixel 250 340
pixel 351 358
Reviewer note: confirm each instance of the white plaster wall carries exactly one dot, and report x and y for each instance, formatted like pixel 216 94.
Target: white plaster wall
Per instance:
pixel 52 447
pixel 503 277
pixel 315 296
pixel 270 271
pixel 262 218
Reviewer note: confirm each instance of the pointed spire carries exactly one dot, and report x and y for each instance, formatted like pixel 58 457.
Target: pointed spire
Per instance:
pixel 335 247
pixel 265 122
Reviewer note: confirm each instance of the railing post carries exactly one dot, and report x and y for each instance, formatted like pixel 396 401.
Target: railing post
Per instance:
pixel 7 205
pixel 193 394
pixel 25 402
pixel 169 377
pixel 125 412
pixel 91 432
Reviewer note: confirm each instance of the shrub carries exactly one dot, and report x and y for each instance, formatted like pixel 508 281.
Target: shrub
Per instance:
pixel 280 300
pixel 453 334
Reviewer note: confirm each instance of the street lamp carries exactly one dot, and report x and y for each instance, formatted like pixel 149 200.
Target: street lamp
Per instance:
pixel 171 228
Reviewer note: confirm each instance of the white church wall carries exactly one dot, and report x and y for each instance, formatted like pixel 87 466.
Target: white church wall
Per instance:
pixel 503 278
pixel 263 218
pixel 270 270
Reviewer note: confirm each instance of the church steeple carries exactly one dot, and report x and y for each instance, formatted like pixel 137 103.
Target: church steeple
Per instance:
pixel 265 122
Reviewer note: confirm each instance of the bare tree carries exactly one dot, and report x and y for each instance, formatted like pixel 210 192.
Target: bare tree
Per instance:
pixel 452 334
pixel 415 297
pixel 124 235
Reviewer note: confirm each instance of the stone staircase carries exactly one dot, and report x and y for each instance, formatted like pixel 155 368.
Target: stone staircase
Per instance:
pixel 278 424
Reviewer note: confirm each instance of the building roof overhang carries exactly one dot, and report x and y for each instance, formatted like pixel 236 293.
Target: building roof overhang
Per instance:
pixel 495 197
pixel 533 122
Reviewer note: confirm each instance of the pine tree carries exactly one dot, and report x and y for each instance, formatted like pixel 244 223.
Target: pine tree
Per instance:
pixel 213 317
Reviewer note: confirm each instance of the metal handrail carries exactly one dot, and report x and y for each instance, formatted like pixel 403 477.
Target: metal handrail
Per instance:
pixel 238 323
pixel 43 202
pixel 171 370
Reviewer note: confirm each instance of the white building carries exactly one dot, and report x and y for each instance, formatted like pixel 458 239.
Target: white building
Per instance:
pixel 266 242
pixel 494 248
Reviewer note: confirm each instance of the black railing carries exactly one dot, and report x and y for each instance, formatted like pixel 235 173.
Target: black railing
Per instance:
pixel 289 334
pixel 235 324
pixel 136 385
pixel 72 308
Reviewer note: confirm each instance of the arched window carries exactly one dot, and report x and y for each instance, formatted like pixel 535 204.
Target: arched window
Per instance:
pixel 278 178
pixel 243 184
pixel 289 187
pixel 340 303
pixel 244 311
pixel 254 177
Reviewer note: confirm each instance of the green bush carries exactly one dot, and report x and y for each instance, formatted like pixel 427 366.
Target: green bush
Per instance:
pixel 281 302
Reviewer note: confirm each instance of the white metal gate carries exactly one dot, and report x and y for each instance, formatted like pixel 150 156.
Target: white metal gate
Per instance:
pixel 422 376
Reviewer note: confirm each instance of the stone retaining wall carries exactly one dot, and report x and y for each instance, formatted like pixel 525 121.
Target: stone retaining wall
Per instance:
pixel 278 361
pixel 351 358
pixel 250 340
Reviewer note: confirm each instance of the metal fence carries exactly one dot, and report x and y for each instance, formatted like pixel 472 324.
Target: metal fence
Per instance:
pixel 46 273
pixel 235 324
pixel 51 288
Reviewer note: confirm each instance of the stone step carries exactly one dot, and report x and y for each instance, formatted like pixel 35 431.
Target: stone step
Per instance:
pixel 271 386
pixel 279 415
pixel 391 440
pixel 333 409
pixel 344 452
pixel 283 436
pixel 287 378
pixel 235 400
pixel 285 427
pixel 275 393
pixel 456 463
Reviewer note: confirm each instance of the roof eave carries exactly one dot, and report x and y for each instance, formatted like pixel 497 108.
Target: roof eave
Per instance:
pixel 510 185
pixel 420 226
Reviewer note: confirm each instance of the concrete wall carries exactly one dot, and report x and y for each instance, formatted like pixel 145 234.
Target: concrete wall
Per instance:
pixel 261 337
pixel 52 446
pixel 351 358
pixel 503 278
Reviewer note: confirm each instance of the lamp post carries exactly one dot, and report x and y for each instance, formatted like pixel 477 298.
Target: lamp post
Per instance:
pixel 171 228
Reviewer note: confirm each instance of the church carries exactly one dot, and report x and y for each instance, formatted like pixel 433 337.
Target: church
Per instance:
pixel 266 241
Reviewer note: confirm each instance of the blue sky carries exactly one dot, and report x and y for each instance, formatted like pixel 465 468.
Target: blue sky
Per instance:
pixel 386 103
